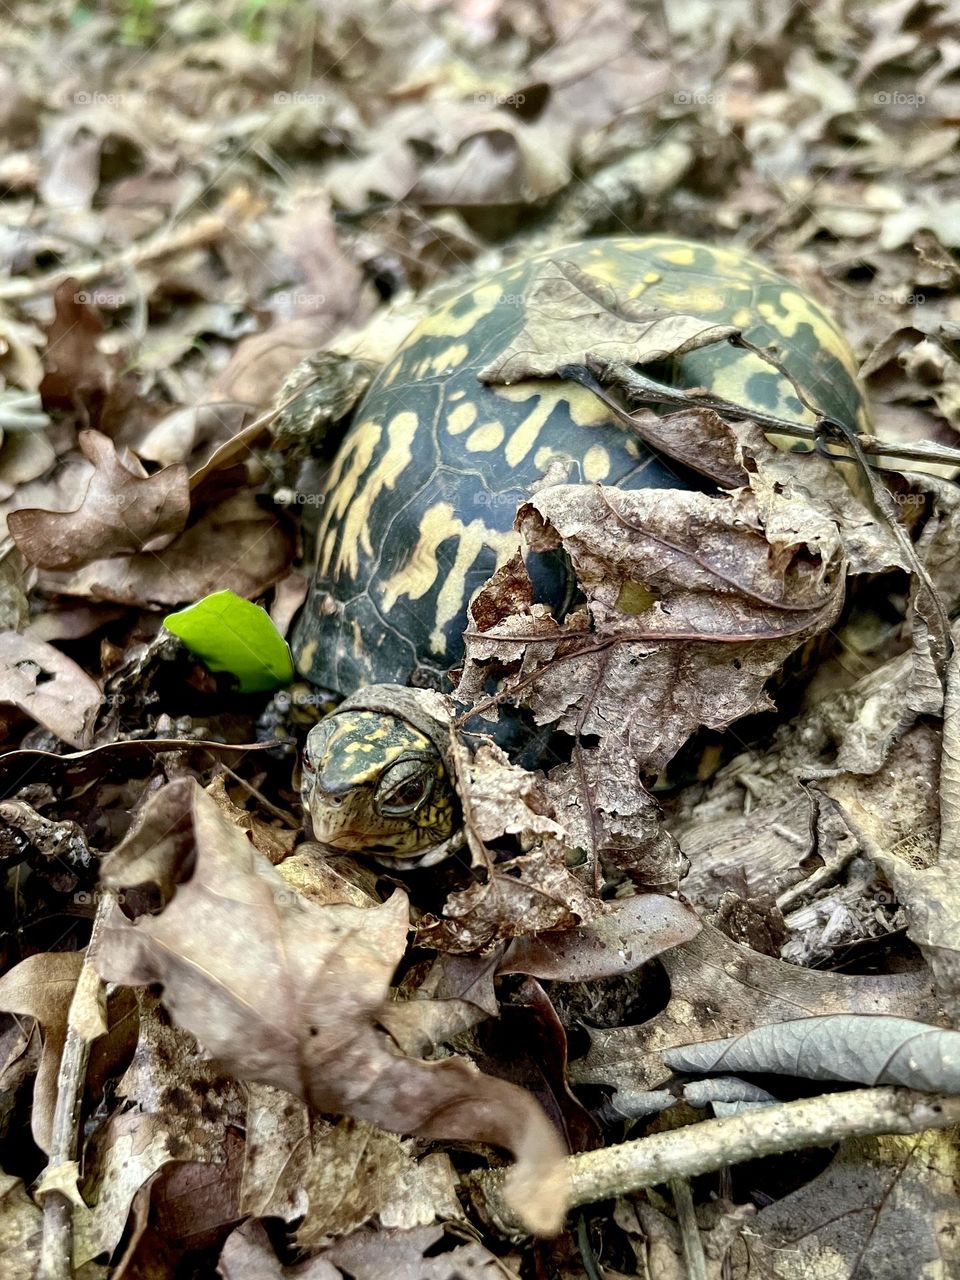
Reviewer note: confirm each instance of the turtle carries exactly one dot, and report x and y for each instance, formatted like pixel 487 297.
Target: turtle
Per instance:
pixel 417 507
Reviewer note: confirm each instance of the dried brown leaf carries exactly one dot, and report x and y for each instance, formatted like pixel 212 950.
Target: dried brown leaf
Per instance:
pixel 20 1230
pixel 720 989
pixel 42 987
pixel 49 687
pixel 120 513
pixel 237 546
pixel 288 993
pixel 623 935
pixel 570 315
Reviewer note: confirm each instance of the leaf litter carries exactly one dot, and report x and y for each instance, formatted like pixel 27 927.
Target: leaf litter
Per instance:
pixel 187 220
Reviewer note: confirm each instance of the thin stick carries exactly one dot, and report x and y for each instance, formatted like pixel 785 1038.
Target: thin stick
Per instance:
pixel 716 1144
pixel 689 1231
pixel 56 1251
pixel 165 244
pixel 650 391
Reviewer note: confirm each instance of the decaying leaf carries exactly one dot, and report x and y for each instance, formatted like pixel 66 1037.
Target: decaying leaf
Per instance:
pixel 175 1107
pixel 49 687
pixel 719 986
pixel 843 1046
pixel 528 893
pixel 884 1207
pixel 121 513
pixel 693 603
pixel 364 1255
pixel 287 993
pixel 20 1230
pixel 621 936
pixel 42 987
pixel 569 315
pixel 236 546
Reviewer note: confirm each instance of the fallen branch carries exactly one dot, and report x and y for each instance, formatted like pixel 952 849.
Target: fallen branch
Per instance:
pixel 166 243
pixel 715 1144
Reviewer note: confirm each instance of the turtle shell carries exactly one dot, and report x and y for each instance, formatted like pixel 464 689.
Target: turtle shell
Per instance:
pixel 418 505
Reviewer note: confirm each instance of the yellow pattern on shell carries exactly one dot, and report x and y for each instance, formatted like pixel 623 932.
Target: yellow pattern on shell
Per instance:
pixel 392 372
pixel 414 579
pixel 442 323
pixel 596 464
pixel 798 311
pixel 693 299
pixel 353 491
pixel 681 256
pixel 449 359
pixel 462 418
pixel 484 438
pixel 584 408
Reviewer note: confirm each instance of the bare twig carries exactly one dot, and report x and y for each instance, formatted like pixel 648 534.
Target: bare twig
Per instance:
pixel 716 1144
pixel 949 852
pixel 56 1253
pixel 689 1231
pixel 650 391
pixel 165 244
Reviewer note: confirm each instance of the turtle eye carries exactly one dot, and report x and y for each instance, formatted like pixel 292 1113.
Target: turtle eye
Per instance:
pixel 404 797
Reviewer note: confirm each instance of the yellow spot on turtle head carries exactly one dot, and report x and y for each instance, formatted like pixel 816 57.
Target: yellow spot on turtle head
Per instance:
pixel 596 463
pixel 742 317
pixel 485 438
pixel 308 656
pixel 652 277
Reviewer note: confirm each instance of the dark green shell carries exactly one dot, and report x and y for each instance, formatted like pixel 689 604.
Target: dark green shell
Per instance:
pixel 419 502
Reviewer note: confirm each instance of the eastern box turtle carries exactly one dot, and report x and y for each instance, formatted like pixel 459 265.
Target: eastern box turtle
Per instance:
pixel 419 502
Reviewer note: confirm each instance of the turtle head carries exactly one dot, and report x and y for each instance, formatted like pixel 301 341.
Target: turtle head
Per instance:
pixel 374 784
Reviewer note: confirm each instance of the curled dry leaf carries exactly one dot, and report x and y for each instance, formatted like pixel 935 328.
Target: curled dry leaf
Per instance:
pixel 843 1046
pixel 76 371
pixel 49 687
pixel 121 513
pixel 42 987
pixel 415 1254
pixel 237 546
pixel 288 993
pixel 569 315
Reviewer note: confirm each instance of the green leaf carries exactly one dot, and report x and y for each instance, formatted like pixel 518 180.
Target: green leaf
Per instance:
pixel 231 634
